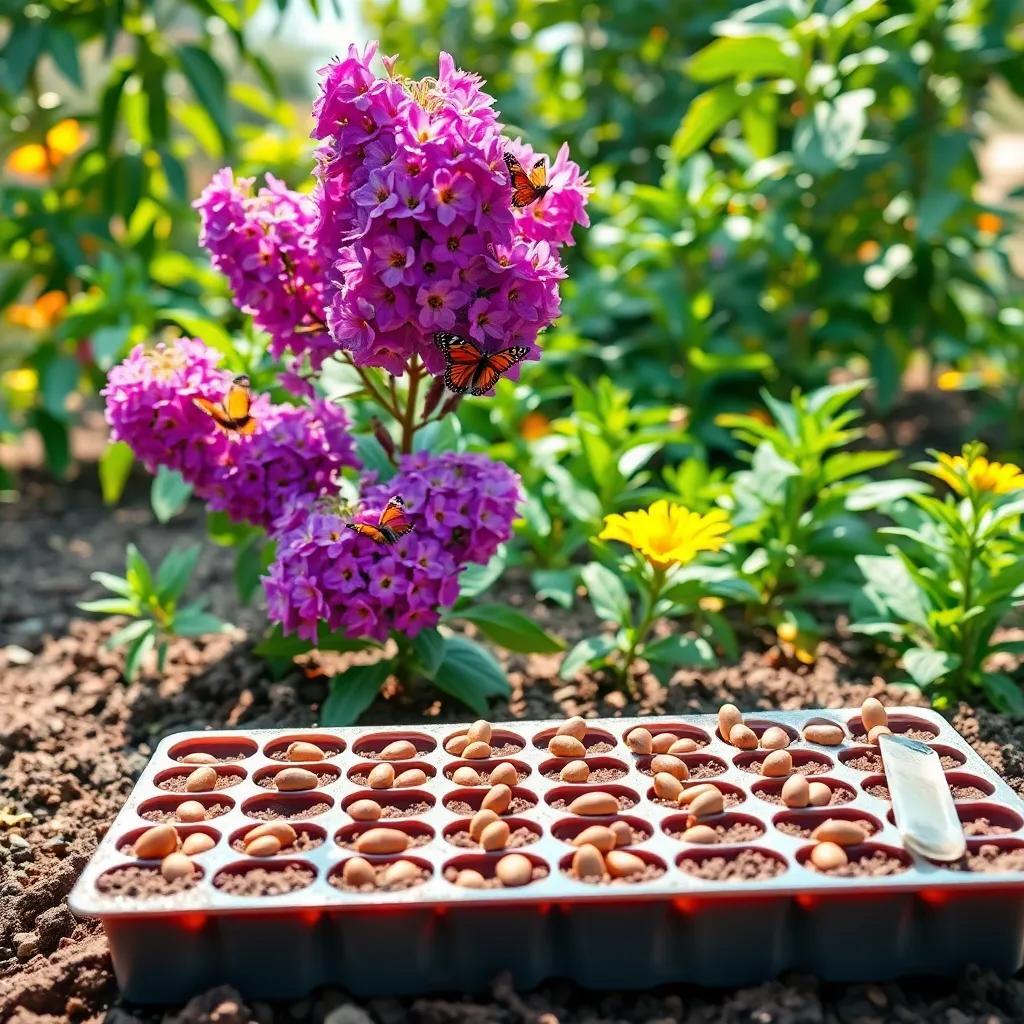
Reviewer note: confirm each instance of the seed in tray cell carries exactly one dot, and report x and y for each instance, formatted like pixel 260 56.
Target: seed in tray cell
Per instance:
pixel 158 841
pixel 662 741
pixel 667 786
pixel 382 776
pixel 411 778
pixel 301 750
pixel 263 846
pixel 503 774
pixel 777 764
pixel 175 866
pixel 466 776
pixel 190 810
pixel 514 870
pixel 279 830
pixel 640 741
pixel 707 804
pixel 566 746
pixel 877 732
pixel 774 738
pixel 495 836
pixel 825 734
pixel 873 713
pixel 622 831
pixel 201 779
pixel 575 727
pixel 382 840
pixel 599 837
pixel 497 799
pixel 839 831
pixel 575 771
pixel 477 750
pixel 819 794
pixel 457 745
pixel 743 737
pixel 470 879
pixel 358 872
pixel 401 873
pixel 671 765
pixel 295 780
pixel 480 731
pixel 398 750
pixel 621 864
pixel 684 745
pixel 691 793
pixel 591 804
pixel 198 842
pixel 364 810
pixel 198 757
pixel 728 716
pixel 480 821
pixel 588 862
pixel 828 856
pixel 701 834
pixel 797 791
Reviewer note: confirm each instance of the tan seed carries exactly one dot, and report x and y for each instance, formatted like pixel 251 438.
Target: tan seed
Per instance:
pixel 594 803
pixel 264 846
pixel 640 741
pixel 514 870
pixel 707 804
pixel 819 794
pixel 479 822
pixel 199 757
pixel 825 734
pixel 198 842
pixel 661 741
pixel 457 744
pixel 201 779
pixel 828 856
pixel 840 832
pixel 382 840
pixel 683 745
pixel 743 737
pixel 477 751
pixel 301 750
pixel 587 863
pixel 280 830
pixel 691 793
pixel 575 771
pixel 382 776
pixel 878 731
pixel 777 764
pixel 872 713
pixel 667 787
pixel 480 731
pixel 466 776
pixel 358 872
pixel 495 836
pixel 364 810
pixel 293 780
pixel 671 764
pixel 575 727
pixel 401 873
pixel 796 792
pixel 399 750
pixel 728 716
pixel 411 778
pixel 190 810
pixel 175 866
pixel 775 738
pixel 621 864
pixel 497 799
pixel 158 841
pixel 470 879
pixel 622 831
pixel 703 834
pixel 504 774
pixel 566 746
pixel 597 836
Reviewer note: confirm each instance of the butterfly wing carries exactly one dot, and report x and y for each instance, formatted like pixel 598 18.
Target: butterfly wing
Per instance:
pixel 369 530
pixel 495 366
pixel 238 400
pixel 214 409
pixel 395 519
pixel 463 359
pixel 539 174
pixel 524 191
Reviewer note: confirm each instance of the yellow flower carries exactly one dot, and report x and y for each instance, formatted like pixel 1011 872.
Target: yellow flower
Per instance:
pixel 24 380
pixel 35 160
pixel 66 137
pixel 668 534
pixel 950 380
pixel 978 474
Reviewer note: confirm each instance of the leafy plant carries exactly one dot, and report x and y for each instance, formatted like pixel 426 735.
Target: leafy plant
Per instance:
pixel 953 575
pixel 153 601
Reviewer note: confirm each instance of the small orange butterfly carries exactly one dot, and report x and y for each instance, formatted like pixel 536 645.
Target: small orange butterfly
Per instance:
pixel 394 522
pixel 527 186
pixel 232 414
pixel 471 371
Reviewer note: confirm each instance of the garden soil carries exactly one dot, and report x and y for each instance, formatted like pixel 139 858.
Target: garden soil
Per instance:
pixel 74 737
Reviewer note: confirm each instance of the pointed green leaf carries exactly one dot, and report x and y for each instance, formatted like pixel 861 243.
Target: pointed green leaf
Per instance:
pixel 353 691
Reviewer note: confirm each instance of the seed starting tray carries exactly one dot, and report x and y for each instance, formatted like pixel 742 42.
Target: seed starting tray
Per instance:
pixel 437 936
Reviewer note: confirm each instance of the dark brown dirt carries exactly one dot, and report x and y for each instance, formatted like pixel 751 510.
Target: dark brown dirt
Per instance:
pixel 142 883
pixel 745 866
pixel 74 736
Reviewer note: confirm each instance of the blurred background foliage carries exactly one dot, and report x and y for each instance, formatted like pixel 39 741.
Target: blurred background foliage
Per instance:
pixel 785 191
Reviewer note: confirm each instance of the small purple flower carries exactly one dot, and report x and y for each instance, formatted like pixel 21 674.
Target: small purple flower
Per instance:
pixel 438 303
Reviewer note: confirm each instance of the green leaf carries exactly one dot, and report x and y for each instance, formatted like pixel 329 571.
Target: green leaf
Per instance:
pixel 892 582
pixel 56 444
pixel 748 57
pixel 131 633
pixel 513 630
pixel 115 467
pixel 373 457
pixel 193 621
pixel 829 137
pixel 118 584
pixel 226 533
pixel 59 379
pixel 252 560
pixel 175 571
pixel 692 652
pixel 277 645
pixel 707 113
pixel 111 606
pixel 208 83
pixel 64 51
pixel 353 691
pixel 558 585
pixel 589 651
pixel 428 646
pixel 471 674
pixel 607 593
pixel 438 436
pixel 1004 693
pixel 476 579
pixel 882 493
pixel 138 574
pixel 169 494
pixel 925 665
pixel 137 653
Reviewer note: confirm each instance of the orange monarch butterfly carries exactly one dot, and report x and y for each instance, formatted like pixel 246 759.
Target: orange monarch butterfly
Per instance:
pixel 394 522
pixel 470 370
pixel 527 187
pixel 232 414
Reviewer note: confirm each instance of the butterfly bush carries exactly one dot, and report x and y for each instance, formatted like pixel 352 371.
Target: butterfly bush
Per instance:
pixel 293 458
pixel 462 507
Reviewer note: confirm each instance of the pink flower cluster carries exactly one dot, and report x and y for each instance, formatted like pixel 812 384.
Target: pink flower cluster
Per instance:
pixel 291 459
pixel 266 246
pixel 415 215
pixel 462 507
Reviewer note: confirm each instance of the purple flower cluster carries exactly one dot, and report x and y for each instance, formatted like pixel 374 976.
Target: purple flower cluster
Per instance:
pixel 266 246
pixel 415 214
pixel 462 507
pixel 291 459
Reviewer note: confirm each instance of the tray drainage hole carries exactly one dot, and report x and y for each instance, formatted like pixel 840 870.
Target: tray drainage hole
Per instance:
pixel 307 837
pixel 495 871
pixel 595 742
pixel 213 749
pixel 515 833
pixel 330 747
pixel 991 855
pixel 197 847
pixel 394 745
pixel 911 726
pixel 296 777
pixel 806 762
pixel 866 860
pixel 286 806
pixel 254 878
pixel 599 769
pixel 615 868
pixel 371 838
pixel 747 864
pixel 186 809
pixel 567 829
pixel 800 824
pixel 201 778
pixel 468 801
pixel 770 790
pixel 391 874
pixel 721 829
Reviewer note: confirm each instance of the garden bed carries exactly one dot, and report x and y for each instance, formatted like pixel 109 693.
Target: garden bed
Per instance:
pixel 73 737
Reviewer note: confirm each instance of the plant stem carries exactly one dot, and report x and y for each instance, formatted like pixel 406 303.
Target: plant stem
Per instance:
pixel 408 418
pixel 640 632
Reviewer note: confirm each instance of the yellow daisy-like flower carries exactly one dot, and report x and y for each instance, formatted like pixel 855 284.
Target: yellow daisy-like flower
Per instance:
pixel 668 534
pixel 978 473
